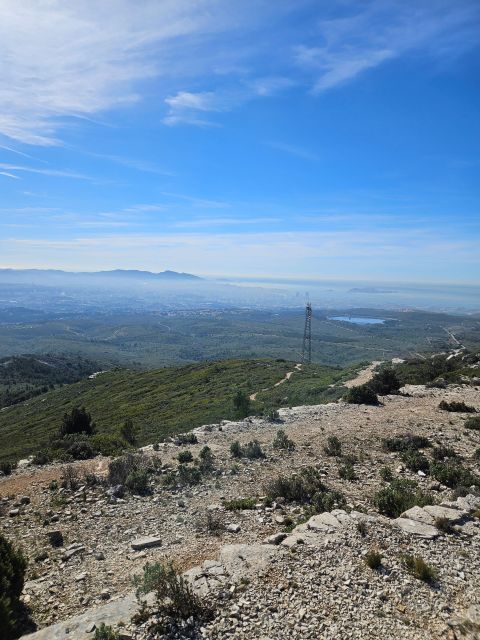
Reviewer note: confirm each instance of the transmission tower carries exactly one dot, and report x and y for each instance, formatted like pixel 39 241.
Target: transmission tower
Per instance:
pixel 307 336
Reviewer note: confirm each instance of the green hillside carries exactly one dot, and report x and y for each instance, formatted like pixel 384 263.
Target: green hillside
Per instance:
pixel 160 402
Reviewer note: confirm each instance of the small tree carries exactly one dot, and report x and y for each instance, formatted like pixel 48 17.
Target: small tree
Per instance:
pixel 384 382
pixel 77 421
pixel 363 394
pixel 12 574
pixel 241 404
pixel 129 431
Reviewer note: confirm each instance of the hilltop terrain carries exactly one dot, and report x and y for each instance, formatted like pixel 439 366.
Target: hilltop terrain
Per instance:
pixel 344 574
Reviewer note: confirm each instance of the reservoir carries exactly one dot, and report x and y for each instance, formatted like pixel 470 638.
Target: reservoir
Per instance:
pixel 358 320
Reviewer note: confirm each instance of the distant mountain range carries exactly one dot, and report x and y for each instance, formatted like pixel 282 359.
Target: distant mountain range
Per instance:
pixel 36 275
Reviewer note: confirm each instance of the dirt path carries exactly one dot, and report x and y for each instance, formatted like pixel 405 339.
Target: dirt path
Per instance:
pixel 363 376
pixel 298 367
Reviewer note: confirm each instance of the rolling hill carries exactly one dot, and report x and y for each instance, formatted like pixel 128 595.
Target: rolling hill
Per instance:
pixel 162 402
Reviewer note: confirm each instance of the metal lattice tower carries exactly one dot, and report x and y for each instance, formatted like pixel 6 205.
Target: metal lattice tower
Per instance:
pixel 307 336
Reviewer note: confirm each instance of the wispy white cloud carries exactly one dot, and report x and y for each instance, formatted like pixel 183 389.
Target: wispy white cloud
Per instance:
pixel 58 173
pixel 293 150
pixel 198 202
pixel 380 30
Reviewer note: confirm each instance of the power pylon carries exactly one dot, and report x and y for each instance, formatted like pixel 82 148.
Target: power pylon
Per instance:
pixel 307 336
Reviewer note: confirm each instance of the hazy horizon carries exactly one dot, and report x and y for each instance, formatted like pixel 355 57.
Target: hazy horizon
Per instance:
pixel 166 135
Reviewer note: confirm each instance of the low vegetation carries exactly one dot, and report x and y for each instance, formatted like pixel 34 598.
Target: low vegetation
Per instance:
pixel 473 423
pixel 12 575
pixel 399 496
pixel 456 407
pixel 362 394
pixel 251 450
pixel 418 568
pixel 240 504
pixel 333 447
pixel 305 488
pixel 406 442
pixel 283 442
pixel 373 559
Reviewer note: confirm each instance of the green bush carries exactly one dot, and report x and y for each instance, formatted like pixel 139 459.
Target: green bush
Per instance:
pixel 41 458
pixel 185 456
pixel 442 452
pixel 385 382
pixel 108 444
pixel 456 407
pixel 347 472
pixel 306 488
pixel 120 468
pixel 186 438
pixel 415 461
pixel 174 595
pixel 476 455
pixel 363 394
pixel 399 496
pixel 373 560
pixel 386 474
pixel 129 432
pixel 104 632
pixel 473 422
pixel 206 463
pixel 405 442
pixel 81 451
pixel 417 566
pixel 453 474
pixel 188 476
pixel 240 504
pixel 137 482
pixel 241 404
pixel 283 442
pixel 77 421
pixel 12 575
pixel 6 468
pixel 333 446
pixel 251 450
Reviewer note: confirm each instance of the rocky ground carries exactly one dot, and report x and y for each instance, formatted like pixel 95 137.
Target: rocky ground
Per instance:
pixel 305 590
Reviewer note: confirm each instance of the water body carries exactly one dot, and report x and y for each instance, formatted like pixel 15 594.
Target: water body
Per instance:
pixel 357 320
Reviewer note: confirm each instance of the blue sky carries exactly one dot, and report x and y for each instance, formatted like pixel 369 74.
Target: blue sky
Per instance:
pixel 269 138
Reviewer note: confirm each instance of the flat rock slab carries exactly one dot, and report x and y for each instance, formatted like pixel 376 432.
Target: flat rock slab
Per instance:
pixel 436 511
pixel 146 543
pixel 416 528
pixel 323 521
pixel 79 627
pixel 243 560
pixel 469 502
pixel 419 515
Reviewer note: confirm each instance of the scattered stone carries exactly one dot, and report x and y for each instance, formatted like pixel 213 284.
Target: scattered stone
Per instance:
pixel 148 542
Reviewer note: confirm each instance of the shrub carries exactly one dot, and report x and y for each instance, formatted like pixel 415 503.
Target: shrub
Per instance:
pixel 385 382
pixel 453 475
pixel 40 458
pixel 405 442
pixel 77 421
pixel 12 575
pixel 347 472
pixel 236 449
pixel 333 446
pixel 476 455
pixel 174 595
pixel 282 441
pixel 362 528
pixel 185 456
pixel 272 415
pixel 440 453
pixel 120 468
pixel 6 468
pixel 241 404
pixel 373 559
pixel 415 461
pixel 386 474
pixel 81 451
pixel 399 496
pixel 108 444
pixel 363 394
pixel 188 475
pixel 240 504
pixel 186 438
pixel 473 422
pixel 211 523
pixel 417 566
pixel 251 450
pixel 457 407
pixel 206 464
pixel 444 525
pixel 70 478
pixel 104 632
pixel 305 488
pixel 137 482
pixel 129 432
